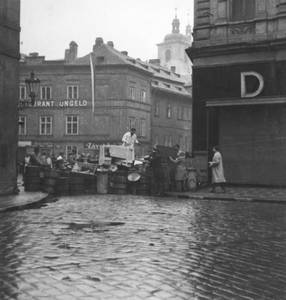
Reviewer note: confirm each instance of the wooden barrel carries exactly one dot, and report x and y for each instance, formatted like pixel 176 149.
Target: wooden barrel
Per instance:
pixel 102 182
pixel 77 186
pixel 90 183
pixel 62 186
pixel 118 182
pixel 32 179
pixel 49 185
pixel 144 185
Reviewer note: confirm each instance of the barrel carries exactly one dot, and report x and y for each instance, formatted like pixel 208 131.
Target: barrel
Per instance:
pixel 90 182
pixel 62 186
pixel 118 182
pixel 102 182
pixel 191 182
pixel 32 179
pixel 144 185
pixel 49 182
pixel 77 186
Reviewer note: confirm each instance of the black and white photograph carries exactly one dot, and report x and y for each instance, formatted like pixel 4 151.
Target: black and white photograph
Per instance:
pixel 143 150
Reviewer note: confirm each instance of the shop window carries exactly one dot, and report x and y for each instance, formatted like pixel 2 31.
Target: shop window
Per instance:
pixel 46 92
pixel 156 140
pixel 170 141
pixel 169 111
pixel 22 125
pixel 72 92
pixel 242 10
pixel 72 125
pixel 46 125
pixel 23 92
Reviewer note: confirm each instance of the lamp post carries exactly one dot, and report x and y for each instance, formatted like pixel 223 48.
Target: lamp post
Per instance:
pixel 32 86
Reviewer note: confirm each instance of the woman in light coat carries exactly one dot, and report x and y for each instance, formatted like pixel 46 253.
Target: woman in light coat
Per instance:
pixel 216 165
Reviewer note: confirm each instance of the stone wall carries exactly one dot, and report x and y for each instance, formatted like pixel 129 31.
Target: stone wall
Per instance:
pixel 9 72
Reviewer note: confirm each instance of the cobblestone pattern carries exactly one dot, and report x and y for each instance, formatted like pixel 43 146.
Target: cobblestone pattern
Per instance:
pixel 118 247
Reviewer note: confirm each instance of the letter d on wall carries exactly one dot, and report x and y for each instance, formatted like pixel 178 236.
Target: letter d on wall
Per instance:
pixel 243 76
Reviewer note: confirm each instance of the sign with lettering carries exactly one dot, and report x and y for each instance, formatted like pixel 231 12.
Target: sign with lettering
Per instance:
pixel 56 103
pixel 252 94
pixel 91 146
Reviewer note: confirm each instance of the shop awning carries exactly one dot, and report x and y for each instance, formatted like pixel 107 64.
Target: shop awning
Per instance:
pixel 246 101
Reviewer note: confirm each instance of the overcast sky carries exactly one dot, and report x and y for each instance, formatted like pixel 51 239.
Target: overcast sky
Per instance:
pixel 48 26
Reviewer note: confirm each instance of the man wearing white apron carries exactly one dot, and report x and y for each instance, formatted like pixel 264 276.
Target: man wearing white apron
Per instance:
pixel 129 139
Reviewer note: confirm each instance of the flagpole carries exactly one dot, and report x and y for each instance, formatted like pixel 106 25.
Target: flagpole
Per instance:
pixel 92 83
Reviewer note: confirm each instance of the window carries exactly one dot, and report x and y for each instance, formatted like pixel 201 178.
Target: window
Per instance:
pixel 22 92
pixel 72 124
pixel 132 92
pixel 168 55
pixel 72 92
pixel 242 9
pixel 46 125
pixel 143 129
pixel 170 141
pixel 180 111
pixel 22 128
pixel 46 92
pixel 131 122
pixel 156 140
pixel 143 95
pixel 71 150
pixel 169 111
pixel 157 109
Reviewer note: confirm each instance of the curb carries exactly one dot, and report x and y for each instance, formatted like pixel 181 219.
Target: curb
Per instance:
pixel 27 205
pixel 234 199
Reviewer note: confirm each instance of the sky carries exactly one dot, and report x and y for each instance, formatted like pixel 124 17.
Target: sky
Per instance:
pixel 137 26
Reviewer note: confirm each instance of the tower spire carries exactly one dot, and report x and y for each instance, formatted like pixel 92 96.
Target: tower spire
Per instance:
pixel 176 23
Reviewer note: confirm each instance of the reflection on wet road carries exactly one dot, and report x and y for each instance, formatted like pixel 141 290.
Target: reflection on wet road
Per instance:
pixel 127 247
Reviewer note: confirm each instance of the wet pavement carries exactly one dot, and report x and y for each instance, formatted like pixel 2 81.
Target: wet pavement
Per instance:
pixel 131 247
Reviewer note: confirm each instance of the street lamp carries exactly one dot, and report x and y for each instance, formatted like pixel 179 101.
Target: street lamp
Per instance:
pixel 32 85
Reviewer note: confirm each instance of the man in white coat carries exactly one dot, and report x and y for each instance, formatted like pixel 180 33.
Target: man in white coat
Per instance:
pixel 216 165
pixel 130 138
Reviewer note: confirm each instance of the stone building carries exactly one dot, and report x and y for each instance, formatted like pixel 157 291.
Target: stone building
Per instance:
pixel 92 100
pixel 239 70
pixel 171 52
pixel 9 56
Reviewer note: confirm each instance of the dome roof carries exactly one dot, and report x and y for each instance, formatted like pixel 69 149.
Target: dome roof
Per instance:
pixel 175 37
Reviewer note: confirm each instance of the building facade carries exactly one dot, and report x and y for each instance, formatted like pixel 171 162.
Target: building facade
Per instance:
pixel 92 100
pixel 9 72
pixel 239 57
pixel 171 52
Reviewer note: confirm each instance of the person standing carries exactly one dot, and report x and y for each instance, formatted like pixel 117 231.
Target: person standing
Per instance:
pixel 158 172
pixel 180 171
pixel 130 138
pixel 216 166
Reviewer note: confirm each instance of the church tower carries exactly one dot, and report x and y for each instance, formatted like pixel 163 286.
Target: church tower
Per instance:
pixel 171 51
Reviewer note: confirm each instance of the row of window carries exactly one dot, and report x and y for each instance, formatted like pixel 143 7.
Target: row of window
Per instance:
pixel 46 125
pixel 141 95
pixel 46 92
pixel 139 124
pixel 183 113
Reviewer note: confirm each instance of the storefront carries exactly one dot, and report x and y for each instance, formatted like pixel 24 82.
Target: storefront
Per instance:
pixel 242 108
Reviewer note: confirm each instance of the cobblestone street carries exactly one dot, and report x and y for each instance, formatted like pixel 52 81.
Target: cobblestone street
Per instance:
pixel 128 247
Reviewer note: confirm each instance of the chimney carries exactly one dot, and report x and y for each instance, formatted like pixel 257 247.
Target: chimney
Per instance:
pixel 173 69
pixel 71 53
pixel 34 58
pixel 110 44
pixel 98 43
pixel 124 53
pixel 34 54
